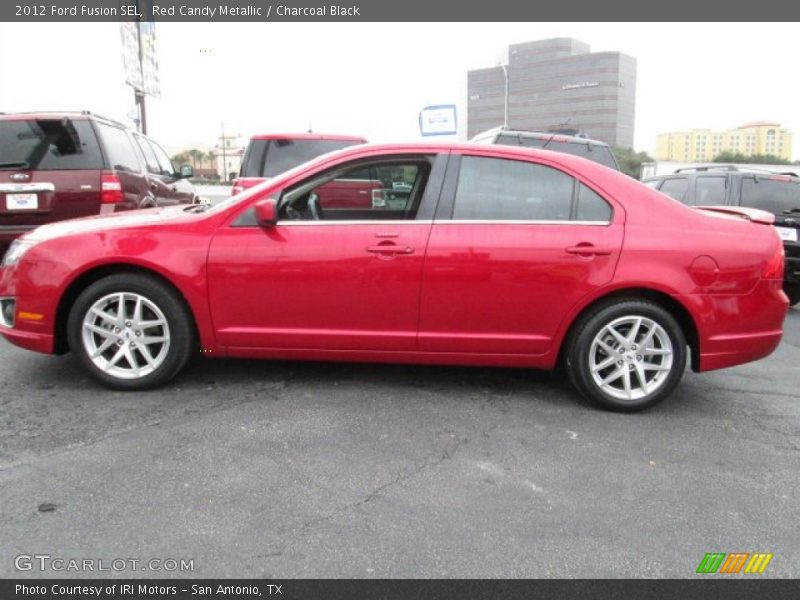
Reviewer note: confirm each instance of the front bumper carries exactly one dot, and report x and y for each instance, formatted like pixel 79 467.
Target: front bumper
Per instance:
pixel 30 340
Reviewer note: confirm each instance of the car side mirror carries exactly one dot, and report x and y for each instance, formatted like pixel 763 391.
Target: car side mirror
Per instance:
pixel 186 171
pixel 266 212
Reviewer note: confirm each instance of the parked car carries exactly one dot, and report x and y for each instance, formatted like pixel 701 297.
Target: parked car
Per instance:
pixel 61 165
pixel 594 150
pixel 727 185
pixel 270 154
pixel 499 256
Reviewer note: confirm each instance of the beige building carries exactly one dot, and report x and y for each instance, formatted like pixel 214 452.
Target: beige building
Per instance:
pixel 703 145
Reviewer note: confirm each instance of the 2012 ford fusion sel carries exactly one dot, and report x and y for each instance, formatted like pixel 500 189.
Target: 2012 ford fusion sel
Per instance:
pixel 497 255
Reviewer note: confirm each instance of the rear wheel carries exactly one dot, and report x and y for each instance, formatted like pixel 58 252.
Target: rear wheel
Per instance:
pixel 130 331
pixel 793 291
pixel 627 355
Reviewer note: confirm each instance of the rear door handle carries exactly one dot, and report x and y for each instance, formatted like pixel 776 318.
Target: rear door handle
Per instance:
pixel 587 250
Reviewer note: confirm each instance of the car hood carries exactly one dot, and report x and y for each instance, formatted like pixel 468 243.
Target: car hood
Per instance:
pixel 111 221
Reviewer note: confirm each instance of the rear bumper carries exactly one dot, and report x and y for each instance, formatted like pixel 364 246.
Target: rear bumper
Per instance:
pixel 791 273
pixel 734 329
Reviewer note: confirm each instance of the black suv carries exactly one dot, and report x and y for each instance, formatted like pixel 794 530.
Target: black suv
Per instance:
pixel 778 193
pixel 599 152
pixel 62 165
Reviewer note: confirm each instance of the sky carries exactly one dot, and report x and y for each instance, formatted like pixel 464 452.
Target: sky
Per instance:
pixel 372 79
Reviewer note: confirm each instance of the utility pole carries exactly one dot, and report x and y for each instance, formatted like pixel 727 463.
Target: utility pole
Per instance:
pixel 223 144
pixel 139 95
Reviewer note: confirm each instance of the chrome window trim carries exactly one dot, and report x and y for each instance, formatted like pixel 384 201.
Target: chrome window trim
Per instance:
pixel 523 222
pixel 389 222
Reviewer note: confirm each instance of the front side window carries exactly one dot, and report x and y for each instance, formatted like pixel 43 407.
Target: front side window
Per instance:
pixel 164 162
pixel 382 190
pixel 508 190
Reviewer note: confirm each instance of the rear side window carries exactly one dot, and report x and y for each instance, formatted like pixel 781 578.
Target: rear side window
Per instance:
pixel 283 155
pixel 119 148
pixel 49 144
pixel 592 151
pixel 709 191
pixel 772 195
pixel 675 188
pixel 149 156
pixel 500 189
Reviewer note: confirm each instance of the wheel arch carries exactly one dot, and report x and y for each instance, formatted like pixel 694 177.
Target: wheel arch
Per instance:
pixel 94 274
pixel 661 298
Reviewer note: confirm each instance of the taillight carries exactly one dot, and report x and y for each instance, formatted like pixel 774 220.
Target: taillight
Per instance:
pixel 378 198
pixel 774 268
pixel 110 188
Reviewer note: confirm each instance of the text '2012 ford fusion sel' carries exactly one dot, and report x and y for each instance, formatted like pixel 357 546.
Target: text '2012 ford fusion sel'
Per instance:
pixel 492 255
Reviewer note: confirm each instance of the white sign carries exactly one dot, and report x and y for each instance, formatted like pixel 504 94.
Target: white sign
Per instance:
pixel 438 120
pixel 142 74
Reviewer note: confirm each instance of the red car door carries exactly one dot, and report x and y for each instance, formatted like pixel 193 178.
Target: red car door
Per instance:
pixel 348 279
pixel 525 242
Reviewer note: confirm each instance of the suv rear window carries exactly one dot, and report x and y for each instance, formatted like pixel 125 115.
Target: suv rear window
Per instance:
pixel 49 144
pixel 268 158
pixel 772 195
pixel 595 152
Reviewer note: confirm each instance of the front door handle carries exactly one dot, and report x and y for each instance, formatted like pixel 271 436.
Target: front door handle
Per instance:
pixel 390 249
pixel 585 249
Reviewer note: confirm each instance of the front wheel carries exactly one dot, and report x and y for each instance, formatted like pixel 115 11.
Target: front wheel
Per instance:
pixel 627 355
pixel 131 331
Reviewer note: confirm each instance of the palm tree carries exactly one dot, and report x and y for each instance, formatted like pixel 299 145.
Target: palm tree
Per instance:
pixel 196 155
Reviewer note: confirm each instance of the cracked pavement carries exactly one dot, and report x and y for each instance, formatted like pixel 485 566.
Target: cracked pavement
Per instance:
pixel 287 469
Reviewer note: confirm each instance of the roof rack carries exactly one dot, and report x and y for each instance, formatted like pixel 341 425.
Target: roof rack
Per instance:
pixel 87 113
pixel 727 168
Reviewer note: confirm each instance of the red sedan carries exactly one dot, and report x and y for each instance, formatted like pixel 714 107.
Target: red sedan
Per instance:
pixel 498 256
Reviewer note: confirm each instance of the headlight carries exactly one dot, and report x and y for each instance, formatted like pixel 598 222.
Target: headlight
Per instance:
pixel 16 251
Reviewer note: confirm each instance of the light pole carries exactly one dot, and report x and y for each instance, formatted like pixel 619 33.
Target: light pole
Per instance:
pixel 505 99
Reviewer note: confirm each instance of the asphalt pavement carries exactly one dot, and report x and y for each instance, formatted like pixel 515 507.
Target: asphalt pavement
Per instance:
pixel 288 469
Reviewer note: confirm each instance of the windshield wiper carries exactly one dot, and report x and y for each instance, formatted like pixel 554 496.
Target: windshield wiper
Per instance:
pixel 22 164
pixel 197 208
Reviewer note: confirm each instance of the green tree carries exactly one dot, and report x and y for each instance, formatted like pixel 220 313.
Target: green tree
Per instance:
pixel 630 161
pixel 196 155
pixel 181 158
pixel 737 157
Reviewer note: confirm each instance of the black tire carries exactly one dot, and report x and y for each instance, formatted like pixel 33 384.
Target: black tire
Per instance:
pixel 579 351
pixel 793 291
pixel 180 328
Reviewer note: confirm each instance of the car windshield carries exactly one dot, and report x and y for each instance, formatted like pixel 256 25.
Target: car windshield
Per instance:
pixel 49 144
pixel 773 195
pixel 598 153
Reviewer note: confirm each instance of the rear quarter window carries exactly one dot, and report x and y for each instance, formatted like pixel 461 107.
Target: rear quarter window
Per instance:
pixel 50 144
pixel 119 148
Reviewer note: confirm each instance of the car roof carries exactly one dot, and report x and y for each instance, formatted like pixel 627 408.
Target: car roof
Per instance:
pixel 541 135
pixel 308 136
